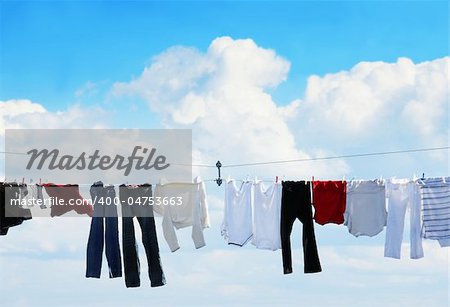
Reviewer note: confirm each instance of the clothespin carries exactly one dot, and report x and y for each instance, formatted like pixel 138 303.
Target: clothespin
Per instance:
pixel 23 180
pixel 276 179
pixel 423 176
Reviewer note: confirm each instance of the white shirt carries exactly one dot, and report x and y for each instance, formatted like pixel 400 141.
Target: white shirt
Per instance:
pixel 267 216
pixel 365 213
pixel 192 210
pixel 237 220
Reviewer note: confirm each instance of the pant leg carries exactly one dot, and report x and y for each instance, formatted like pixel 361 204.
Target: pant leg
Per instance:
pixel 415 222
pixel 95 243
pixel 286 222
pixel 95 248
pixel 130 248
pixel 150 241
pixel 130 254
pixel 310 253
pixel 112 236
pixel 395 223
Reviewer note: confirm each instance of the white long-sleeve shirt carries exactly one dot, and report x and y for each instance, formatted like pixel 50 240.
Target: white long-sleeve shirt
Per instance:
pixel 192 210
pixel 237 220
pixel 267 215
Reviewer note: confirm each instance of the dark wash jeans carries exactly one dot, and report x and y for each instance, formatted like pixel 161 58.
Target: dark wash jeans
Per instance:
pixel 132 199
pixel 105 212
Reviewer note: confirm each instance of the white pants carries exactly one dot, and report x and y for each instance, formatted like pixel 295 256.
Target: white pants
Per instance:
pixel 401 194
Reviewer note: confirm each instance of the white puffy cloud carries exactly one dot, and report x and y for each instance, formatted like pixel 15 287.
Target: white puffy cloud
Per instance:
pixel 249 275
pixel 376 107
pixel 11 109
pixel 23 114
pixel 222 95
pixel 380 101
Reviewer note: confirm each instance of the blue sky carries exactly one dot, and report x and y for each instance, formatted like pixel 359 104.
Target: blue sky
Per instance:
pixel 255 81
pixel 50 49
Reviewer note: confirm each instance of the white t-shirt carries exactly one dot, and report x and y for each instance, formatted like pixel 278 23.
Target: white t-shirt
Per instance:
pixel 266 216
pixel 365 213
pixel 237 220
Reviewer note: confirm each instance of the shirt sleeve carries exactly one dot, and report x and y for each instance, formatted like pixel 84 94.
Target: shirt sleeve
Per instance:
pixel 197 218
pixel 204 206
pixel 169 231
pixel 158 209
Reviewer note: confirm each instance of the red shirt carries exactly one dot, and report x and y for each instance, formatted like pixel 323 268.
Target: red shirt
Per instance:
pixel 329 199
pixel 70 194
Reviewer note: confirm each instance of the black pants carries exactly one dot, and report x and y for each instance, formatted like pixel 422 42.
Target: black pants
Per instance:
pixel 132 199
pixel 296 203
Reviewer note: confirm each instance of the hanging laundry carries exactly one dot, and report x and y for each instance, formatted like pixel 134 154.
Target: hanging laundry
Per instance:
pixel 266 216
pixel 40 195
pixel 365 213
pixel 135 203
pixel 296 204
pixel 11 211
pixel 402 194
pixel 35 196
pixel 104 227
pixel 189 208
pixel 435 198
pixel 71 199
pixel 329 199
pixel 237 226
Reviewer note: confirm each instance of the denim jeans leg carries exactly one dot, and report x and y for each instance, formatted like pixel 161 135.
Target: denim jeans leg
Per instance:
pixel 150 241
pixel 95 248
pixel 112 235
pixel 130 253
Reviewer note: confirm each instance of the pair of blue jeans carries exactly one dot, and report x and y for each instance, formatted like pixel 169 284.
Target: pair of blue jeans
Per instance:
pixel 135 202
pixel 105 214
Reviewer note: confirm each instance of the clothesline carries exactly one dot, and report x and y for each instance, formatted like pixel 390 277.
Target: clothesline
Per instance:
pixel 382 153
pixel 219 165
pixel 367 154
